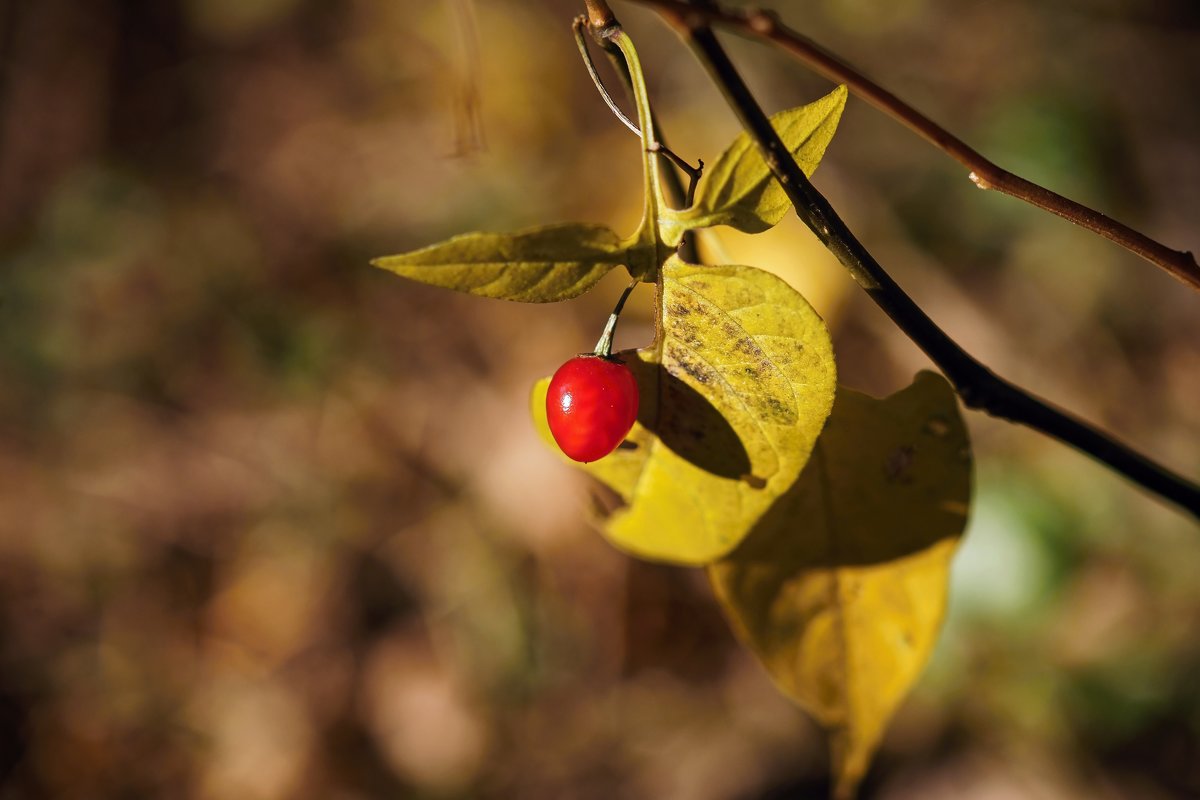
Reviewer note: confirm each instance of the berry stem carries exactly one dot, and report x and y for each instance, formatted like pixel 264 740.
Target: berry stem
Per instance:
pixel 604 346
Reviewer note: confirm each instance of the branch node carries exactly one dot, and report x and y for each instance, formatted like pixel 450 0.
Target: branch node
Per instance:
pixel 762 22
pixel 980 181
pixel 600 16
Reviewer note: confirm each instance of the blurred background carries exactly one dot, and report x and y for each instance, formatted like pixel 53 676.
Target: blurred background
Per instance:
pixel 274 524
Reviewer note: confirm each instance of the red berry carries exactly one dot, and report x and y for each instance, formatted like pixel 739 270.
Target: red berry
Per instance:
pixel 591 405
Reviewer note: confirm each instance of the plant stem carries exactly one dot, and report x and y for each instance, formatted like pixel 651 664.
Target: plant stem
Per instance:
pixel 577 27
pixel 978 386
pixel 604 345
pixel 659 146
pixel 679 196
pixel 599 15
pixel 983 173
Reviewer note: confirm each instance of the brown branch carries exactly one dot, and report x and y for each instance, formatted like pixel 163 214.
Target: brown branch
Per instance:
pixel 599 15
pixel 985 174
pixel 978 386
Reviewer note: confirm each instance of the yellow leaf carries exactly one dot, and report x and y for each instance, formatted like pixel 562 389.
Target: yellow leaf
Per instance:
pixel 538 265
pixel 554 262
pixel 739 190
pixel 733 398
pixel 841 588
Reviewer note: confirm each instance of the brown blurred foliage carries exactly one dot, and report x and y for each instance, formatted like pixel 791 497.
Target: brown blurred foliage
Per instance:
pixel 275 525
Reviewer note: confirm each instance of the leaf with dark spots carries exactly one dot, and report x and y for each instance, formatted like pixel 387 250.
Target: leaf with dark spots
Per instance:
pixel 729 413
pixel 694 429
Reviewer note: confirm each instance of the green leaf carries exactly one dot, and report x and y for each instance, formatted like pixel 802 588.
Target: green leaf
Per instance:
pixel 733 398
pixel 739 189
pixel 538 265
pixel 841 588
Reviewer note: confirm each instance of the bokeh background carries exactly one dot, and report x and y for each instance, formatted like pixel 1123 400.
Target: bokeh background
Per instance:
pixel 274 524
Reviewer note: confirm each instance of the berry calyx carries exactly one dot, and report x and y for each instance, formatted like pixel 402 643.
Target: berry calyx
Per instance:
pixel 591 406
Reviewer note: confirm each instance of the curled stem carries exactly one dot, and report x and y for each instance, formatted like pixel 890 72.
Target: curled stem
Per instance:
pixel 577 27
pixel 656 147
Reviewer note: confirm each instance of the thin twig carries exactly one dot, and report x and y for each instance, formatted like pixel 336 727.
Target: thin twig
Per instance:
pixel 983 173
pixel 577 26
pixel 978 386
pixel 693 173
pixel 657 147
pixel 677 194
